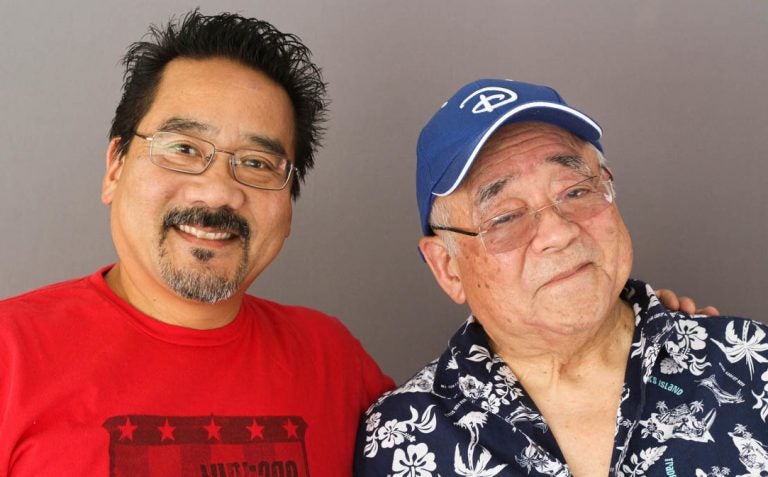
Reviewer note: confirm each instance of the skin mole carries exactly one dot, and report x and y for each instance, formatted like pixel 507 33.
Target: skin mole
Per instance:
pixel 202 254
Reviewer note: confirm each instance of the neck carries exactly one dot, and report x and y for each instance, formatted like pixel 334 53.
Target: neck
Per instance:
pixel 577 378
pixel 550 360
pixel 162 304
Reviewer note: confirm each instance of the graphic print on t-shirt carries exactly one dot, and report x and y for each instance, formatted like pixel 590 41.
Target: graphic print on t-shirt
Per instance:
pixel 207 446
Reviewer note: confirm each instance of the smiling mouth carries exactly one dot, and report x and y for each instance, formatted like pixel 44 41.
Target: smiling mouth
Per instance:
pixel 567 274
pixel 216 227
pixel 202 234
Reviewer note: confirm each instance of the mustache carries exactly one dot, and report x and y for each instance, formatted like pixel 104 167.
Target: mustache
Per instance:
pixel 222 219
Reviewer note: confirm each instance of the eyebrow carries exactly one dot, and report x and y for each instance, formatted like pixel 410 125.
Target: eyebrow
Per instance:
pixel 183 125
pixel 186 125
pixel 268 144
pixel 492 189
pixel 576 163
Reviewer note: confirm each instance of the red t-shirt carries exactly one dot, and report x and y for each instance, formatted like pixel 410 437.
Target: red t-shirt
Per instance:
pixel 91 386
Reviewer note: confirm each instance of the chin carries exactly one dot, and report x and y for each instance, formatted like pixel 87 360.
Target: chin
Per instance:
pixel 572 313
pixel 569 322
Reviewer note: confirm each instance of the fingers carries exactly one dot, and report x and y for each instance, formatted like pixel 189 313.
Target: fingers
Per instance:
pixel 668 298
pixel 708 310
pixel 683 304
pixel 687 305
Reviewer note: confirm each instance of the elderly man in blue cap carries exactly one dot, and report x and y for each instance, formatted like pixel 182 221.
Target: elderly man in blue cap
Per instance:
pixel 566 365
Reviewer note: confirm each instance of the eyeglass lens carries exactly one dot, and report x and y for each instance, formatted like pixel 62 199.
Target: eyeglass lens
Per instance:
pixel 182 153
pixel 515 228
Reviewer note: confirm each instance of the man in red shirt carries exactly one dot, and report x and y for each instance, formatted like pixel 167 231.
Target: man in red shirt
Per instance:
pixel 161 364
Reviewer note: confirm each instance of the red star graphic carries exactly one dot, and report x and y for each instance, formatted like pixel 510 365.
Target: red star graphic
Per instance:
pixel 256 430
pixel 213 430
pixel 167 431
pixel 126 430
pixel 290 428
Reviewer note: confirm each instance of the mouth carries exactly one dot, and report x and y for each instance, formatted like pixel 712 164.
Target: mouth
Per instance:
pixel 206 235
pixel 212 227
pixel 568 274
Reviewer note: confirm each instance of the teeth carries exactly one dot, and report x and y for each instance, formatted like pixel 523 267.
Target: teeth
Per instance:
pixel 201 234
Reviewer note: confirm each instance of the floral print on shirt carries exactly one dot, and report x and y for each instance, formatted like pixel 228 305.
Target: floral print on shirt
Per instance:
pixel 694 403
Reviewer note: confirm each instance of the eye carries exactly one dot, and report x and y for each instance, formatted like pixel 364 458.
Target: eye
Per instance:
pixel 577 192
pixel 182 148
pixel 506 219
pixel 260 163
pixel 580 190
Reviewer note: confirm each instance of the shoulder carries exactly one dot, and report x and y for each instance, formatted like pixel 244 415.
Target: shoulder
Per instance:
pixel 417 393
pixel 735 346
pixel 303 331
pixel 292 318
pixel 687 335
pixel 412 419
pixel 733 332
pixel 724 326
pixel 48 314
pixel 318 343
pixel 46 299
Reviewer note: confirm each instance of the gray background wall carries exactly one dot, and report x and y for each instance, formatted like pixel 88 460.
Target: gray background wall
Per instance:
pixel 678 85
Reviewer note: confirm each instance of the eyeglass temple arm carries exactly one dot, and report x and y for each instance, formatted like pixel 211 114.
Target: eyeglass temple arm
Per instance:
pixel 453 229
pixel 608 171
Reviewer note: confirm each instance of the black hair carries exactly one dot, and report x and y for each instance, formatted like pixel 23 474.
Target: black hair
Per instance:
pixel 248 41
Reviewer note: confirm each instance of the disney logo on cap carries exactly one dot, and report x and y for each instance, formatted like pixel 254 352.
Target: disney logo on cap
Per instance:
pixel 490 98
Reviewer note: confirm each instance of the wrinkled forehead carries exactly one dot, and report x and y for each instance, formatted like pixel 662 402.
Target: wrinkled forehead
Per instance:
pixel 519 149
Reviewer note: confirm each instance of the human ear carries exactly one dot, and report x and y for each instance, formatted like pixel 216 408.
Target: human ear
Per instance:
pixel 443 266
pixel 113 170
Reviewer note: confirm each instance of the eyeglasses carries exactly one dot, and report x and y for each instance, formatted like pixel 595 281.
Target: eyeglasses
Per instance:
pixel 514 228
pixel 192 155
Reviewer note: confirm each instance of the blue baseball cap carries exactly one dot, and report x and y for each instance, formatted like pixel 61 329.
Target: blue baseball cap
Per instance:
pixel 451 140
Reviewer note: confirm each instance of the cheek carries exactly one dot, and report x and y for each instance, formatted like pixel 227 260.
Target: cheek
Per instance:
pixel 492 275
pixel 147 184
pixel 142 206
pixel 271 220
pixel 140 201
pixel 616 245
pixel 625 255
pixel 284 214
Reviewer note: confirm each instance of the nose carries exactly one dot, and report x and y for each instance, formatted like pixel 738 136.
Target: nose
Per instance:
pixel 553 231
pixel 216 187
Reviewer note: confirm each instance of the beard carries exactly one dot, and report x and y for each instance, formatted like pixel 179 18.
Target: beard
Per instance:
pixel 202 283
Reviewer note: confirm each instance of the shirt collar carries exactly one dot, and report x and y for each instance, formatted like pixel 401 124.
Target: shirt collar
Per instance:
pixel 469 352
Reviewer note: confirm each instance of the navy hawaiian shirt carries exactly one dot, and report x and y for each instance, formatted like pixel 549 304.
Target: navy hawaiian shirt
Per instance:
pixel 694 403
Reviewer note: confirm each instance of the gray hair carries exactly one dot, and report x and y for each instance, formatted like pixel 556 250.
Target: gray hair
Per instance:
pixel 600 157
pixel 439 215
